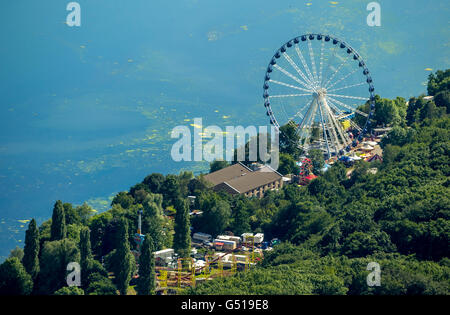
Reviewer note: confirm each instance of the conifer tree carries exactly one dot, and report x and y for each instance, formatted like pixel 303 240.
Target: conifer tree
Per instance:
pixel 58 229
pixel 124 259
pixel 86 259
pixel 146 283
pixel 182 237
pixel 31 250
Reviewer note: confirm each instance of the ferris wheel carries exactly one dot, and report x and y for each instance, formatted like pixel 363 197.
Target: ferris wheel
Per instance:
pixel 320 85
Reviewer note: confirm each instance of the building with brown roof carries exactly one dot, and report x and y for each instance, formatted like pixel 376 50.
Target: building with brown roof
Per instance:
pixel 239 179
pixel 227 173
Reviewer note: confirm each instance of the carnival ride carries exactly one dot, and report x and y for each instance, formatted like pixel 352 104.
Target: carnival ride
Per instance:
pixel 321 86
pixel 186 274
pixel 306 171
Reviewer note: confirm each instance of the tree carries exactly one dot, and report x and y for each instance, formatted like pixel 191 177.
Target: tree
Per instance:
pixel 31 250
pixel 137 187
pixel 387 111
pixel 77 215
pixel 170 190
pixel 182 238
pixel 438 82
pixel 86 259
pixel 84 212
pixel 17 252
pixel 183 180
pixel 198 185
pixel 155 226
pixel 124 260
pixel 398 136
pixel 14 280
pixel 154 182
pixel 241 218
pixel 69 291
pixel 390 153
pixel 317 160
pixel 216 213
pixel 442 99
pixel 146 282
pixel 287 165
pixel 217 165
pixel 430 110
pixel 100 285
pixel 58 228
pixel 123 199
pixel 252 151
pixel 289 141
pixel 70 214
pixel 100 225
pixel 55 257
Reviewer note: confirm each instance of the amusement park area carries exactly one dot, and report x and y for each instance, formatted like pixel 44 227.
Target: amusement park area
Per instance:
pixel 318 89
pixel 209 259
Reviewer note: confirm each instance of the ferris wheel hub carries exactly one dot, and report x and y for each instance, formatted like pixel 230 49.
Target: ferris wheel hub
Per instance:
pixel 320 95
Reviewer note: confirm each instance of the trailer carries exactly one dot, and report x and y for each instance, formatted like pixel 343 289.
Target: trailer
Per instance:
pixel 259 238
pixel 165 256
pixel 228 245
pixel 202 237
pixel 240 261
pixel 236 239
pixel 249 238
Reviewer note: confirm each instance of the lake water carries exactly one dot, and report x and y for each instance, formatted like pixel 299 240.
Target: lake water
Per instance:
pixel 86 111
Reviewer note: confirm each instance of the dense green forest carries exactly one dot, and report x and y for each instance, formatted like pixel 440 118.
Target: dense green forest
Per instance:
pixel 331 229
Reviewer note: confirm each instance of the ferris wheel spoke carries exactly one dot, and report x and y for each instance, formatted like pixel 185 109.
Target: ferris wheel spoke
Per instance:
pixel 355 125
pixel 331 128
pixel 305 120
pixel 299 113
pixel 305 65
pixel 349 97
pixel 310 125
pixel 321 60
pixel 307 127
pixel 290 86
pixel 328 67
pixel 343 78
pixel 289 95
pixel 324 131
pixel 337 71
pixel 347 87
pixel 293 77
pixel 338 125
pixel 352 123
pixel 313 62
pixel 339 112
pixel 294 65
pixel 352 109
pixel 334 108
